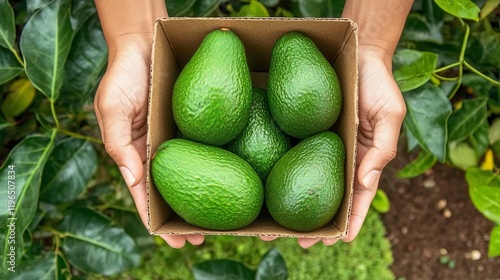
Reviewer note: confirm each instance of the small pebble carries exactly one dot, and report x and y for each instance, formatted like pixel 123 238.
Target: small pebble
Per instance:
pixel 443 251
pixel 427 253
pixel 480 268
pixel 447 213
pixel 429 183
pixel 475 255
pixel 441 204
pixel 404 230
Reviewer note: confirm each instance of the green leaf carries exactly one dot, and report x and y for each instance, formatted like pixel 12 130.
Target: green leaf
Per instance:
pixel 417 72
pixel 20 178
pixel 94 245
pixel 487 201
pixel 483 51
pixel 80 12
pixel 427 114
pixel 45 62
pixel 48 267
pixel 432 12
pixel 478 177
pixel 422 163
pixel 465 121
pixel 7 25
pixel 222 270
pixel 418 29
pixel 321 8
pixel 381 202
pixel 270 3
pixel 412 140
pixel 70 168
pixel 477 84
pixel 20 96
pixel 85 65
pixel 488 7
pixel 203 8
pixel 253 9
pixel 462 155
pixel 272 267
pixel 178 8
pixel 9 66
pixel 460 8
pixel 494 247
pixel 4 123
pixel 479 138
pixel 494 135
pixel 33 5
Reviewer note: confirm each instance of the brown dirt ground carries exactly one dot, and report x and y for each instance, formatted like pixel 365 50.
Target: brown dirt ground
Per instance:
pixel 433 219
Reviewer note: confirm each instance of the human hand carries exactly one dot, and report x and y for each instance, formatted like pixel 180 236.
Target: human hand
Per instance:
pixel 381 113
pixel 121 110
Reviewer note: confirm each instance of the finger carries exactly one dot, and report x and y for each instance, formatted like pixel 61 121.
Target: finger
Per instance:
pixel 329 241
pixel 307 242
pixel 268 238
pixel 380 154
pixel 195 239
pixel 174 241
pixel 361 201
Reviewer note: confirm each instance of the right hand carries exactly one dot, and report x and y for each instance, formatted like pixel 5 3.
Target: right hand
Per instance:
pixel 121 109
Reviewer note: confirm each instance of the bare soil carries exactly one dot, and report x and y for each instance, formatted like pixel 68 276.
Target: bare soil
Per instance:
pixel 435 230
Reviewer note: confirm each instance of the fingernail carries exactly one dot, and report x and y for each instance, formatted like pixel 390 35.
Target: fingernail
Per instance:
pixel 371 179
pixel 330 241
pixel 127 176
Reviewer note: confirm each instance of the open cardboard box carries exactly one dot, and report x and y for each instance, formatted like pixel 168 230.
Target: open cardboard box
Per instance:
pixel 176 40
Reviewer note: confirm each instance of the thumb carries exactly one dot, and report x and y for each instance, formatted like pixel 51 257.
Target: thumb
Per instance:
pixel 116 130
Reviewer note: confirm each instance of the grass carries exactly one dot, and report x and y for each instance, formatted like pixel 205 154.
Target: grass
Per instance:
pixel 368 257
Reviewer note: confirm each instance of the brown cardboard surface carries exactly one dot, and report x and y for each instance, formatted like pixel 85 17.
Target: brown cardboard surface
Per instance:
pixel 176 40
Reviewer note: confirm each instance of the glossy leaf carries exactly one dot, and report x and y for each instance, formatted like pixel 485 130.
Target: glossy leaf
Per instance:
pixel 476 84
pixel 24 165
pixel 270 3
pixel 433 14
pixel 71 166
pixel 33 5
pixel 178 8
pixel 94 245
pixel 253 9
pixel 460 8
pixel 85 65
pixel 20 96
pixel 494 135
pixel 465 121
pixel 418 29
pixel 222 269
pixel 479 138
pixel 422 163
pixel 48 267
pixel 494 247
pixel 411 139
pixel 417 72
pixel 81 11
pixel 488 7
pixel 381 202
pixel 427 115
pixel 272 267
pixel 204 8
pixel 487 201
pixel 462 155
pixel 321 8
pixel 45 62
pixel 478 177
pixel 9 66
pixel 4 123
pixel 7 25
pixel 483 50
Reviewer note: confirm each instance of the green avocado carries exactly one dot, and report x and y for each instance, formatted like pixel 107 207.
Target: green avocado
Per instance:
pixel 207 186
pixel 261 143
pixel 306 186
pixel 304 93
pixel 212 96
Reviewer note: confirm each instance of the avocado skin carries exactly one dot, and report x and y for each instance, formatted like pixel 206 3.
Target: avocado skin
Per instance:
pixel 304 93
pixel 207 186
pixel 306 186
pixel 212 96
pixel 261 143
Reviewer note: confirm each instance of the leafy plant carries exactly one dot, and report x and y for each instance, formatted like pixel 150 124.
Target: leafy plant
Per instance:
pixel 447 66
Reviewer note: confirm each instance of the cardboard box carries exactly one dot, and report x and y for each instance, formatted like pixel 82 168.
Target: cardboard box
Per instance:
pixel 176 40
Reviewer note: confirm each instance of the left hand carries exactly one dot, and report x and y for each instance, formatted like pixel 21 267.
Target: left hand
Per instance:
pixel 381 113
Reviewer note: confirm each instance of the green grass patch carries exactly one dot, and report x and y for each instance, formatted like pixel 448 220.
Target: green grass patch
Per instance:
pixel 368 257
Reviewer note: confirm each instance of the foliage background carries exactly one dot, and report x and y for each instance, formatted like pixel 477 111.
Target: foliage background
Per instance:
pixel 74 215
